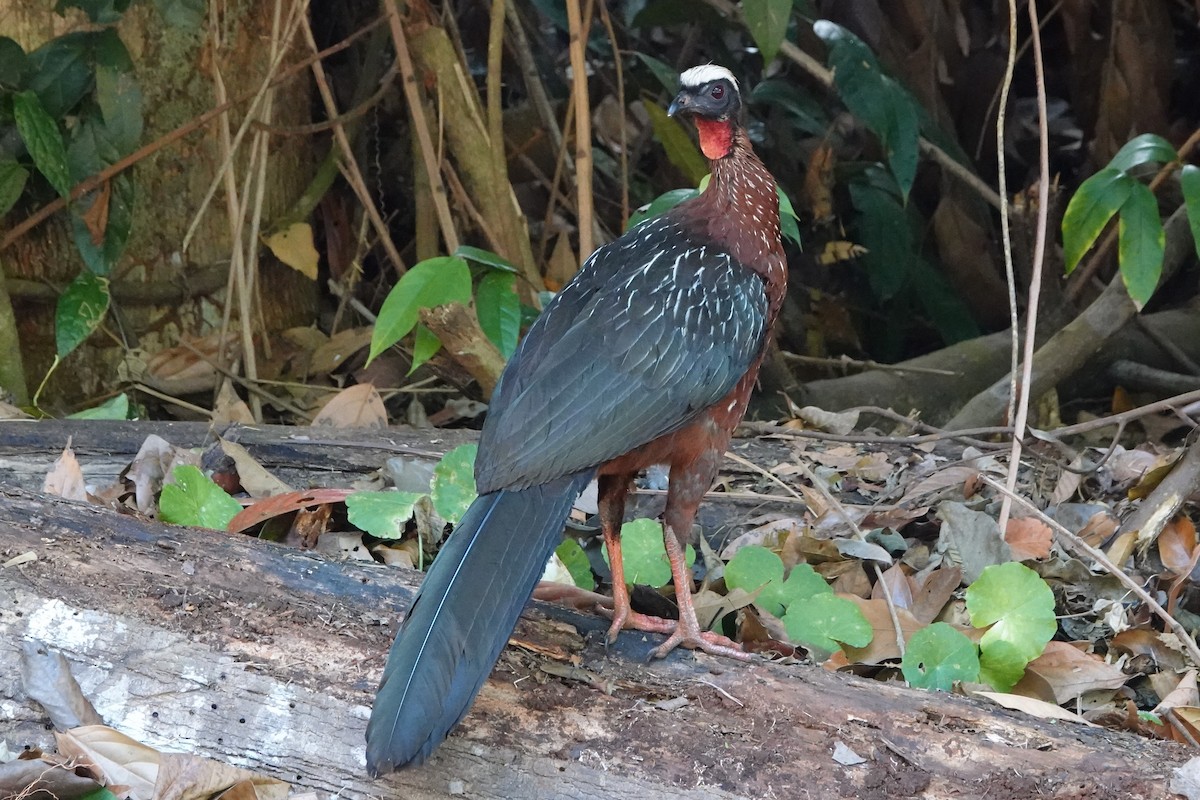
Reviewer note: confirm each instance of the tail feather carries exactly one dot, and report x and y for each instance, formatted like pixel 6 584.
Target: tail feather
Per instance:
pixel 462 617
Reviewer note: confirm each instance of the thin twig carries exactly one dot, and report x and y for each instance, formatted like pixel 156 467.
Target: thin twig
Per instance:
pixel 1035 279
pixel 606 18
pixel 1080 546
pixel 495 106
pixel 583 125
pixel 1006 229
pixel 416 109
pixel 846 362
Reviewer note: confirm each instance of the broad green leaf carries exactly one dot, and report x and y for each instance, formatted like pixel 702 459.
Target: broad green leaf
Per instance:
pixel 664 202
pixel 114 408
pixel 666 74
pixel 767 21
pixel 12 183
pixel 1189 179
pixel 1142 240
pixel 576 562
pixel 81 307
pixel 1094 203
pixel 384 515
pixel 485 257
pixel 1019 607
pixel 826 619
pixel 939 656
pixel 453 486
pixel 643 554
pixel 99 793
pixel 120 99
pixel 883 228
pixel 61 72
pixel 425 346
pixel 193 499
pixel 499 310
pixel 432 282
pixel 875 98
pixel 102 258
pixel 184 14
pixel 14 64
pixel 1139 150
pixel 803 111
pixel 943 306
pixel 681 150
pixel 42 138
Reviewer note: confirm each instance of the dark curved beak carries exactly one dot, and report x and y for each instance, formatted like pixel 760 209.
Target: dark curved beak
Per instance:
pixel 682 102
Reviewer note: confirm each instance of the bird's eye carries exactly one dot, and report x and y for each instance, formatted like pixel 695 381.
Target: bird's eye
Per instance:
pixel 717 92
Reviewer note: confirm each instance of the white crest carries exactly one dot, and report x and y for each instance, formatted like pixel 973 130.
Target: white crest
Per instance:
pixel 696 77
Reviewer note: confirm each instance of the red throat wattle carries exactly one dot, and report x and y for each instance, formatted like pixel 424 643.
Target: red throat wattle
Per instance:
pixel 716 137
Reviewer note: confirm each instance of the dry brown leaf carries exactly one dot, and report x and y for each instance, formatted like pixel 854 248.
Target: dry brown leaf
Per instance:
pixel 1063 672
pixel 1185 693
pixel 896 583
pixel 119 759
pixel 1033 707
pixel 817 193
pixel 1176 544
pixel 935 592
pixel 188 777
pixel 1163 649
pixel 948 478
pixel 65 478
pixel 1029 538
pixel 95 218
pixel 229 408
pixel 341 346
pixel 359 406
pixel 883 643
pixel 840 250
pixel 253 476
pixel 188 367
pixel 294 246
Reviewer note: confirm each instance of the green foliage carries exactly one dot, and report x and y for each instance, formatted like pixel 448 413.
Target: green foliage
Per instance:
pixel 381 514
pixel 453 486
pixel 432 282
pixel 813 615
pixel 115 408
pixel 1189 181
pixel 643 554
pixel 195 500
pixel 875 98
pixel 661 204
pixel 576 562
pixel 81 308
pixel 1113 191
pixel 767 21
pixel 499 310
pixel 822 621
pixel 939 656
pixel 664 73
pixel 1019 607
pixel 677 142
pixel 42 140
pixel 12 183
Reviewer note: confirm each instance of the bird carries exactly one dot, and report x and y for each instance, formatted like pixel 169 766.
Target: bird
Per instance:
pixel 647 356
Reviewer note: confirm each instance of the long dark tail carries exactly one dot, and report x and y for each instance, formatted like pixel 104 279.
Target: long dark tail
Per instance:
pixel 462 618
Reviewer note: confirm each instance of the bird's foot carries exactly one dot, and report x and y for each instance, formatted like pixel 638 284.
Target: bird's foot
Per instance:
pixel 628 618
pixel 691 637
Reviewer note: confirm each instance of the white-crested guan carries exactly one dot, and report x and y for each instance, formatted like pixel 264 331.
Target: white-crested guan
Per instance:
pixel 647 356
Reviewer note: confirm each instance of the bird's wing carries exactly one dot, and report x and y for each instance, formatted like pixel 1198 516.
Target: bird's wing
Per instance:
pixel 655 329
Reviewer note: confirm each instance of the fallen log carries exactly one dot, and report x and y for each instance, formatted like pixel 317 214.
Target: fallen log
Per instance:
pixel 267 657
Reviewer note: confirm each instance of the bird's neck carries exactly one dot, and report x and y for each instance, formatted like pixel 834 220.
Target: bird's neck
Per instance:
pixel 740 207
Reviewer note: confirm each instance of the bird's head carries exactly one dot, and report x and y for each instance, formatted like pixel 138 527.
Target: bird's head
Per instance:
pixel 709 94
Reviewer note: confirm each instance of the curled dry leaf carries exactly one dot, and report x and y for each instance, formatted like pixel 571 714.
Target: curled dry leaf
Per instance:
pixel 839 423
pixel 883 645
pixel 1063 672
pixel 1033 707
pixel 65 478
pixel 358 406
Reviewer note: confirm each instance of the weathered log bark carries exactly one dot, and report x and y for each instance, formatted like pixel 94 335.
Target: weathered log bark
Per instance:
pixel 267 657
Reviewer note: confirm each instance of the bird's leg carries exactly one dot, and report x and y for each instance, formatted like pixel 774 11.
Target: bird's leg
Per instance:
pixel 612 490
pixel 687 631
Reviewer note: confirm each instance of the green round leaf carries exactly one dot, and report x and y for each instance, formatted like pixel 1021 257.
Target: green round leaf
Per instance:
pixel 1090 209
pixel 384 515
pixel 576 562
pixel 755 567
pixel 80 309
pixel 453 486
pixel 1141 245
pixel 643 554
pixel 195 500
pixel 432 282
pixel 826 619
pixel 939 656
pixel 1019 607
